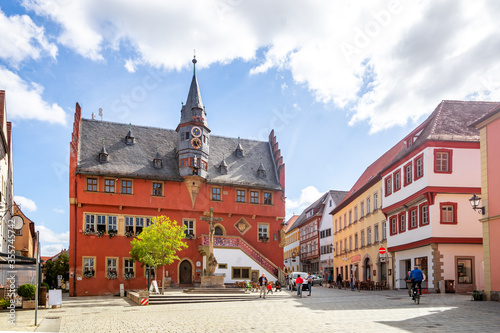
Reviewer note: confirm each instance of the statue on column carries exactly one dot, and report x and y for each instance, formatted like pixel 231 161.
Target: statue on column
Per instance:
pixel 211 261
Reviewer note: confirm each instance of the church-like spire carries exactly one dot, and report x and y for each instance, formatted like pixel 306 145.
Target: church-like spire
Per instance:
pixel 193 110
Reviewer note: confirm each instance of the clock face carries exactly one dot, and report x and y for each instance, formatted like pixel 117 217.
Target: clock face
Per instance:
pixel 196 143
pixel 196 132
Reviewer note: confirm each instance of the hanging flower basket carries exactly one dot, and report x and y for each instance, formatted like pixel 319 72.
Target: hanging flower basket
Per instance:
pixel 129 233
pixel 112 275
pixel 128 276
pixel 100 233
pixel 88 232
pixel 112 233
pixel 88 275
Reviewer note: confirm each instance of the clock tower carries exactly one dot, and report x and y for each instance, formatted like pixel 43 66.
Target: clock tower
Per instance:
pixel 193 139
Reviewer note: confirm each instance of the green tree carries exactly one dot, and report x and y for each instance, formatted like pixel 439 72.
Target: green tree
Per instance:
pixel 55 268
pixel 158 243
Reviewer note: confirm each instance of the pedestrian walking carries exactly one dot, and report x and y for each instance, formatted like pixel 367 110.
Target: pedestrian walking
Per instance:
pixel 263 285
pixel 330 280
pixel 299 281
pixel 353 282
pixel 309 282
pixel 339 281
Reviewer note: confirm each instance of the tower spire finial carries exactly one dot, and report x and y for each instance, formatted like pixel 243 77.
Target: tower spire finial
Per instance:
pixel 194 62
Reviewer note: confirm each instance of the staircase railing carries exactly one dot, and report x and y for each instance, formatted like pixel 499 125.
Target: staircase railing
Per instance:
pixel 231 241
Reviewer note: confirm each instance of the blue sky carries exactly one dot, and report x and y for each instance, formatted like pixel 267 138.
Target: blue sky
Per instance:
pixel 340 81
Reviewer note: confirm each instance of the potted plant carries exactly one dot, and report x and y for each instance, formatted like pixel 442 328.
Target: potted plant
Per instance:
pixel 112 233
pixel 129 233
pixel 477 295
pixel 100 233
pixel 88 274
pixel 27 292
pixel 88 231
pixel 128 276
pixel 112 275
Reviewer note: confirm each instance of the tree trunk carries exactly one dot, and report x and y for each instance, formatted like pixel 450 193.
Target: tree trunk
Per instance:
pixel 163 281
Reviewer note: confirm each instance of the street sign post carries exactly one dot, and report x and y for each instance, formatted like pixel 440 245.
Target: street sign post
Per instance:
pixel 382 250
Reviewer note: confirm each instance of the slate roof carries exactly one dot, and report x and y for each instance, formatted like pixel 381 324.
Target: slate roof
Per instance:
pixel 318 206
pixel 449 121
pixel 137 160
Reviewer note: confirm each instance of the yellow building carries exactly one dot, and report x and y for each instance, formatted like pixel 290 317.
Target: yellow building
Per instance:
pixel 291 250
pixel 360 229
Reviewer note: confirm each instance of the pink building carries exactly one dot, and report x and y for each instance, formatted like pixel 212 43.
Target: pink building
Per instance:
pixel 489 126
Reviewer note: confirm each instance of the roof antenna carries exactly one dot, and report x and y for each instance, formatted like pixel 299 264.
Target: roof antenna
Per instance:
pixel 100 113
pixel 194 62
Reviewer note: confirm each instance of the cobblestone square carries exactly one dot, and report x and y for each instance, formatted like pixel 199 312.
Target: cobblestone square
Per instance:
pixel 327 310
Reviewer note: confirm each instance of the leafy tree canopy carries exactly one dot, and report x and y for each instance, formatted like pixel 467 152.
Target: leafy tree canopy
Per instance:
pixel 158 243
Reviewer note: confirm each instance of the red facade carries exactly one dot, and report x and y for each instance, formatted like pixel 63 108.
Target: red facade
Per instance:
pixel 100 194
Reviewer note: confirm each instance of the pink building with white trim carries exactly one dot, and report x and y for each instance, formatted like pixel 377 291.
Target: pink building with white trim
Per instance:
pixel 489 126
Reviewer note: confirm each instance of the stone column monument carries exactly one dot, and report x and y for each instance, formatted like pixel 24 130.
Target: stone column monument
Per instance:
pixel 209 280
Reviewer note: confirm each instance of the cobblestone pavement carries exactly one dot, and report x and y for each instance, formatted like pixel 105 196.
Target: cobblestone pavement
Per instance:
pixel 328 310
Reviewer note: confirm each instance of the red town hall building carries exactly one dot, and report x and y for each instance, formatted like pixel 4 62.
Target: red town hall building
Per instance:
pixel 121 176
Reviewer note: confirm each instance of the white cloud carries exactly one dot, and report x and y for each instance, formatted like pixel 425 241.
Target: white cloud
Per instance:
pixel 384 62
pixel 49 236
pixel 27 205
pixel 24 100
pixel 58 210
pixel 307 196
pixel 21 39
pixel 52 249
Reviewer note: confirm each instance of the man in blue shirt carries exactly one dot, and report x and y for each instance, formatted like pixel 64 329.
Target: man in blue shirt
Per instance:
pixel 416 277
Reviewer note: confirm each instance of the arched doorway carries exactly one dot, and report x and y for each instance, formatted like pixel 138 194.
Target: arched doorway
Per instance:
pixel 368 271
pixel 185 272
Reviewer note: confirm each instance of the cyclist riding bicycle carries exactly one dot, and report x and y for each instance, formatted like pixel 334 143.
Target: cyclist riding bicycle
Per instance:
pixel 416 277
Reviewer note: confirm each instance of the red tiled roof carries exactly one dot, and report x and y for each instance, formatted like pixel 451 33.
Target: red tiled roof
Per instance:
pixel 290 222
pixel 372 173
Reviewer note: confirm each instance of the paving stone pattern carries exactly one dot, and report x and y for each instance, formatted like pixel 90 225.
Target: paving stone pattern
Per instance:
pixel 327 310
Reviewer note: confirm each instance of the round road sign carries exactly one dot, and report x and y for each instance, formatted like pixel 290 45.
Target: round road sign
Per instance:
pixel 382 250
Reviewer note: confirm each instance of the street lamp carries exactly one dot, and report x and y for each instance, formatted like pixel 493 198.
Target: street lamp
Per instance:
pixel 475 201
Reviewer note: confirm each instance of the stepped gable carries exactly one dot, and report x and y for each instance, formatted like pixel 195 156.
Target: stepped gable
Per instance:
pixel 135 160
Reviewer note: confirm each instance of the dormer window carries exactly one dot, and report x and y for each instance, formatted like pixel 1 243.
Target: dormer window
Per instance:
pixel 261 172
pixel 130 139
pixel 239 149
pixel 223 166
pixel 103 155
pixel 157 161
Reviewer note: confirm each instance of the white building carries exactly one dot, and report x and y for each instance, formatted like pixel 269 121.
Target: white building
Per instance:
pixel 426 192
pixel 333 198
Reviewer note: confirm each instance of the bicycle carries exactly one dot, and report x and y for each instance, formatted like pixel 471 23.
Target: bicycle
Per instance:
pixel 416 295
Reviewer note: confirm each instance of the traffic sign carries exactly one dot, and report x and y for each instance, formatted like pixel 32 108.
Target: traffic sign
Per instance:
pixel 382 250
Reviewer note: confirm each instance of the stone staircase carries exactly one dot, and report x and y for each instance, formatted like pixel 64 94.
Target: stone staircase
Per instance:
pixel 201 297
pixel 237 242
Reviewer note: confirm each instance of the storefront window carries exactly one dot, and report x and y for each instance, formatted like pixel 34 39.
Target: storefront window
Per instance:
pixel 464 271
pixel 422 264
